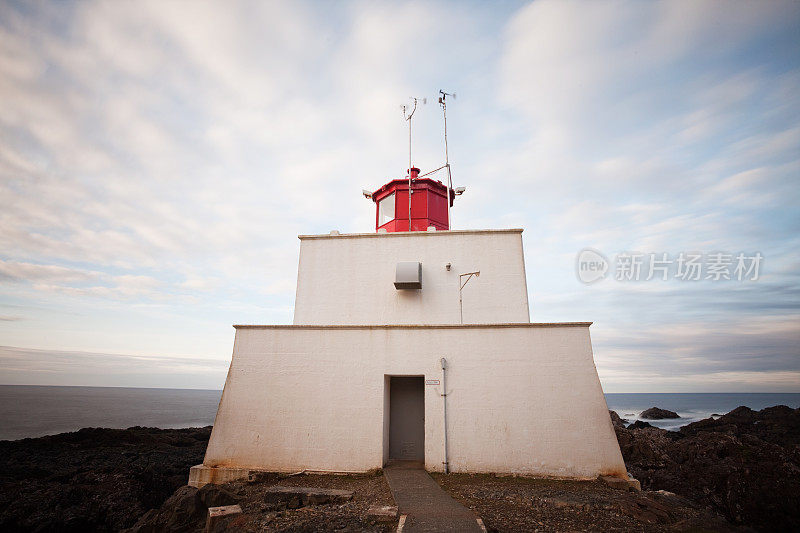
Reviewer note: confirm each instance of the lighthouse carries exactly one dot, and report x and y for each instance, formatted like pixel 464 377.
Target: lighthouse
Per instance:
pixel 412 342
pixel 426 206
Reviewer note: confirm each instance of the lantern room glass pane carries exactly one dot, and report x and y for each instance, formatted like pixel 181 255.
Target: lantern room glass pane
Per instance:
pixel 386 210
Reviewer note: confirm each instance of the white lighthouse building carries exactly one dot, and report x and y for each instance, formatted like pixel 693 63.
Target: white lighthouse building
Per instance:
pixel 412 345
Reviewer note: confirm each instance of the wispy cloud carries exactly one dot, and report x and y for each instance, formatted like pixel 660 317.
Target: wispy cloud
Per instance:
pixel 158 158
pixel 20 366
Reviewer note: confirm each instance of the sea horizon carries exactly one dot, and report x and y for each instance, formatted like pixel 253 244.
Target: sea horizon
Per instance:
pixel 220 390
pixel 29 411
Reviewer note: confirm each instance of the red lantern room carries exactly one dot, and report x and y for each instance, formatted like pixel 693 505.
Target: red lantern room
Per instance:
pixel 428 204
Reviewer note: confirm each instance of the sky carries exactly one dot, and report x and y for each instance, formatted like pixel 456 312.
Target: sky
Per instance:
pixel 158 160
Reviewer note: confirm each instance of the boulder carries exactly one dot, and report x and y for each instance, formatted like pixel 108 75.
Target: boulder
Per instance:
pixel 616 421
pixel 654 413
pixel 745 465
pixel 184 509
pixel 145 524
pixel 182 512
pixel 216 496
pixel 777 425
pixel 187 509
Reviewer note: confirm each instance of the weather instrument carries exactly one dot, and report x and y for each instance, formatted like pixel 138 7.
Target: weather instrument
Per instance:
pixel 408 116
pixel 409 111
pixel 443 102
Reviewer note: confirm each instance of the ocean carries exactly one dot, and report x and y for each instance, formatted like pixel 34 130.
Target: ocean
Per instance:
pixel 35 411
pixel 692 406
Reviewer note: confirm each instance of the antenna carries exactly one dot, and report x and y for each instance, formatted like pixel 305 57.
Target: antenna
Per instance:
pixel 407 116
pixel 443 102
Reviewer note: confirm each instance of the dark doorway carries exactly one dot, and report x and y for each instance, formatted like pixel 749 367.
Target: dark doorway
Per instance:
pixel 407 418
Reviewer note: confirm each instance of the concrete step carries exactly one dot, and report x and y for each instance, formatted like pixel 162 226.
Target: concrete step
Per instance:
pixel 295 497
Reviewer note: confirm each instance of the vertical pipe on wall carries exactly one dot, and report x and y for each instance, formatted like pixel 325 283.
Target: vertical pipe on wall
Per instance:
pixel 444 412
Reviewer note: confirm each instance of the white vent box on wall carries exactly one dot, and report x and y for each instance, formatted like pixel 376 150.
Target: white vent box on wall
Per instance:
pixel 409 275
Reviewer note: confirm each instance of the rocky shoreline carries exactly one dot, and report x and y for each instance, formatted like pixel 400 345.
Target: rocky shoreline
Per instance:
pixel 744 466
pixel 93 479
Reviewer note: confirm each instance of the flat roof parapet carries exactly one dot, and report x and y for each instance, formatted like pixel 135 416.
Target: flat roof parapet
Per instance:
pixel 409 233
pixel 418 326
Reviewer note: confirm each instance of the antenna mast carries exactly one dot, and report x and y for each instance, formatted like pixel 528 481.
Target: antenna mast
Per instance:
pixel 408 119
pixel 443 103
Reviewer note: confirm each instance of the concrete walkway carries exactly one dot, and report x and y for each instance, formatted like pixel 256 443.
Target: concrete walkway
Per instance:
pixel 426 505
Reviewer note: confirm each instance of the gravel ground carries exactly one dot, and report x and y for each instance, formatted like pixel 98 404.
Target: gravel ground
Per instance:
pixel 526 504
pixel 187 509
pixel 367 490
pixel 503 503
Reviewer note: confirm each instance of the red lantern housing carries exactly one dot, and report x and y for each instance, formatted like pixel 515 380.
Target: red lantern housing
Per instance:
pixel 428 204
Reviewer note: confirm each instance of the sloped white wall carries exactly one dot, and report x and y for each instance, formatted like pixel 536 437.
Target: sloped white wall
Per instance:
pixel 349 279
pixel 522 398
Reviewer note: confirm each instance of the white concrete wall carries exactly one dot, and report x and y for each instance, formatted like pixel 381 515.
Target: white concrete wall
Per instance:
pixel 522 398
pixel 349 279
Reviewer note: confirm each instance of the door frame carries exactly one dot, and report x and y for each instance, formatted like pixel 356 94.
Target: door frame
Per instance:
pixel 387 407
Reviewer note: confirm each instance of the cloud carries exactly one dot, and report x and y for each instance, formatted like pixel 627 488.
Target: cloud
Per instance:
pixel 157 159
pixel 27 366
pixel 753 354
pixel 33 272
pixel 55 278
pixel 566 58
pixel 658 128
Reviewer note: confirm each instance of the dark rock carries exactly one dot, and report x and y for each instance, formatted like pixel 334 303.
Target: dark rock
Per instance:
pixel 146 523
pixel 778 425
pixel 216 496
pixel 654 413
pixel 639 424
pixel 94 479
pixel 183 511
pixel 616 421
pixel 646 510
pixel 745 465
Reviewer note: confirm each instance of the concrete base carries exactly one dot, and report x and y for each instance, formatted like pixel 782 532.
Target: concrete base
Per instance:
pixel 622 484
pixel 201 475
pixel 219 518
pixel 294 497
pixel 382 513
